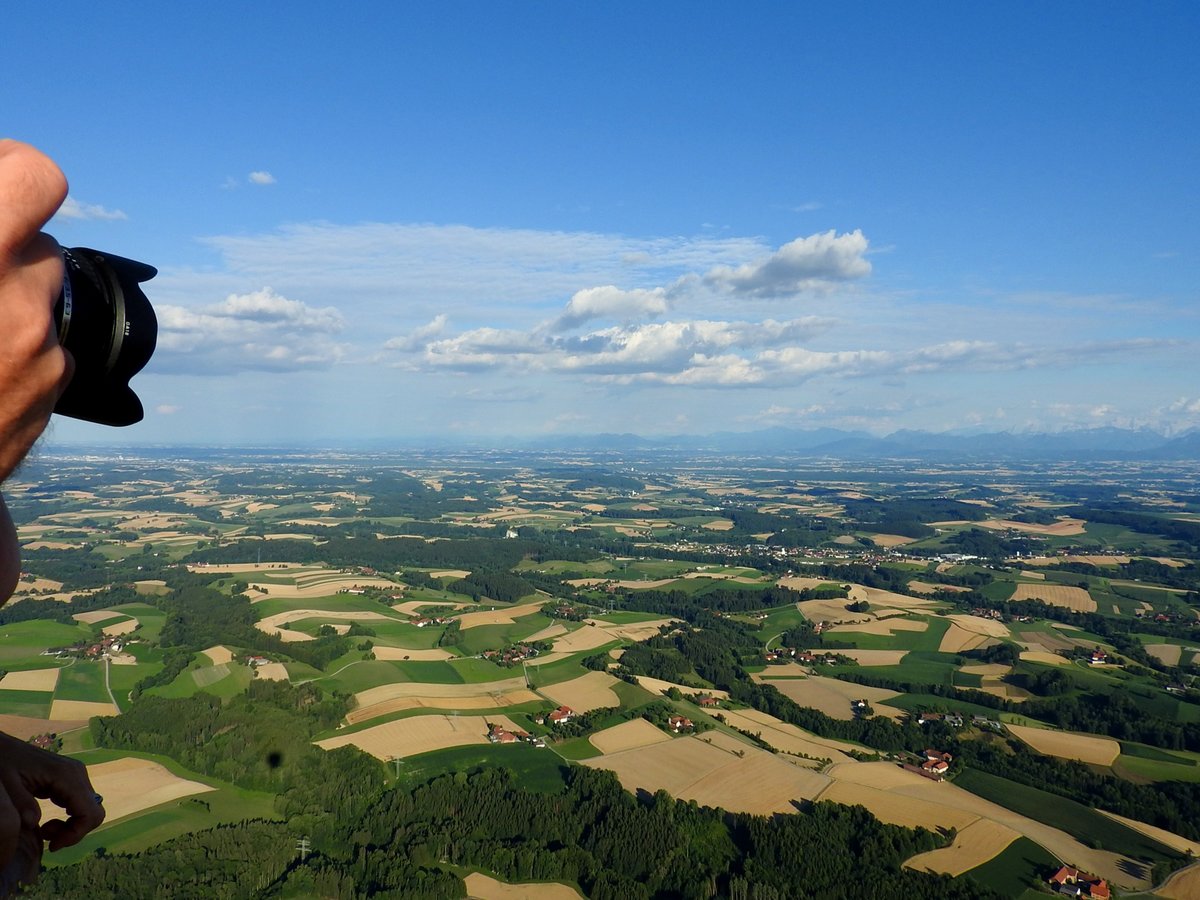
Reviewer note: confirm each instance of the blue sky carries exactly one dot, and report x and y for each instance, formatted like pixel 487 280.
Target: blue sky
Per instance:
pixel 380 221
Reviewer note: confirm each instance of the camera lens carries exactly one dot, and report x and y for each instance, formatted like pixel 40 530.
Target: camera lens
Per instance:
pixel 109 327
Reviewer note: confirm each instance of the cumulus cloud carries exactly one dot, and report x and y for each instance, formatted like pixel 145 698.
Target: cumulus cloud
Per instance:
pixel 260 177
pixel 257 331
pixel 418 337
pixel 816 262
pixel 609 302
pixel 74 209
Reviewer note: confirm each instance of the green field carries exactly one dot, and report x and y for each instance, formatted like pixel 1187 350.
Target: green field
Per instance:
pixel 537 770
pixel 26 703
pixel 82 681
pixel 1022 866
pixel 24 641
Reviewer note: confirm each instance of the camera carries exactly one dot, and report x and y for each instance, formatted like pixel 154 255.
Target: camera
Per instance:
pixel 106 322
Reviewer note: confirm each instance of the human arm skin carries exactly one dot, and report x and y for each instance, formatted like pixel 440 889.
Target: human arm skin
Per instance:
pixel 34 370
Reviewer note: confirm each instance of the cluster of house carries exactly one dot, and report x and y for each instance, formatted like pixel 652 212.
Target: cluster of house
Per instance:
pixel 47 741
pixel 422 621
pixel 680 723
pixel 564 611
pixel 500 735
pixel 557 716
pixel 1157 616
pixel 934 765
pixel 106 646
pixel 255 661
pixel 1074 883
pixel 1098 657
pixel 706 701
pixel 956 720
pixel 510 655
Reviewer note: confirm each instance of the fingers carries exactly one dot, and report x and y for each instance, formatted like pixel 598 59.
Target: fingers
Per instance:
pixel 20 844
pixel 75 794
pixel 32 188
pixel 28 773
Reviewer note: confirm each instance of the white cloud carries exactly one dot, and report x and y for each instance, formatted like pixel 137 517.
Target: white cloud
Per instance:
pixel 609 302
pixel 258 331
pixel 167 409
pixel 74 209
pixel 815 262
pixel 419 337
pixel 260 178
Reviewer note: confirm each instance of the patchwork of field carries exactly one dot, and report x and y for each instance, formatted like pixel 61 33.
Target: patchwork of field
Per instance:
pixel 585 693
pixel 891 540
pixel 470 701
pixel 970 633
pixel 484 887
pixel 411 607
pixel 130 785
pixel 1061 528
pixel 308 587
pixel 91 617
pixel 874 657
pixel 274 624
pixel 30 680
pixel 497 616
pixel 927 587
pixel 1088 748
pixel 831 696
pixel 905 798
pixel 888 626
pixel 980 841
pixel 658 686
pixel 1043 656
pixel 419 734
pixel 788 738
pixel 715 769
pixel 1069 596
pixel 273 672
pixel 628 736
pixel 1168 838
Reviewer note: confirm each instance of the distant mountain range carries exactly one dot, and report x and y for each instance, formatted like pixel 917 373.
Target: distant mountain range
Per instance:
pixel 1095 443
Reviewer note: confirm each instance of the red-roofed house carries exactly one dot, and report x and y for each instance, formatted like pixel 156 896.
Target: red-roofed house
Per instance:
pixel 1074 883
pixel 560 715
pixel 679 723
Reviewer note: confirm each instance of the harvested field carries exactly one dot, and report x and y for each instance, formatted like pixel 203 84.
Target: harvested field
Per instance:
pixel 788 738
pixel 831 611
pixel 585 638
pixel 207 675
pixel 879 597
pixel 1036 576
pixel 980 625
pixel 25 727
pixel 627 736
pixel 497 616
pixel 419 734
pixel 1061 528
pixel 96 615
pixel 131 785
pixel 439 691
pixel 394 653
pixel 894 790
pixel 410 607
pixel 484 887
pixel 81 709
pixel 926 587
pixel 874 657
pixel 890 540
pixel 1042 656
pixel 545 658
pixel 1074 598
pixel 219 655
pixel 1183 885
pixel 980 841
pixel 450 573
pixel 895 809
pixel 658 686
pixel 956 639
pixel 986 669
pixel 634 631
pixel 715 770
pixel 585 693
pixel 831 696
pixel 477 701
pixel 801 582
pixel 550 631
pixel 31 680
pixel 718 525
pixel 325 587
pixel 273 672
pixel 1167 654
pixel 273 624
pixel 884 626
pixel 126 627
pixel 1088 748
pixel 1044 640
pixel 1170 838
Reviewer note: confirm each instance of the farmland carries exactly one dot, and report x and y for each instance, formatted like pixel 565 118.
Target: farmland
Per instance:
pixel 1051 654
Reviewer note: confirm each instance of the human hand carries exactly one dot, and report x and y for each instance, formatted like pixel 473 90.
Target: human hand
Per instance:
pixel 34 370
pixel 27 773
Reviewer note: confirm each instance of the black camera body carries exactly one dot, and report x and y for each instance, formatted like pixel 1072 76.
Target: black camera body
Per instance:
pixel 106 322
